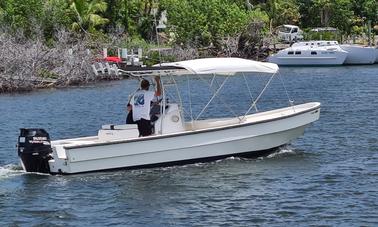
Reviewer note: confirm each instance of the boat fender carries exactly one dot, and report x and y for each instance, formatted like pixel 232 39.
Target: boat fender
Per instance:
pixel 34 150
pixel 175 118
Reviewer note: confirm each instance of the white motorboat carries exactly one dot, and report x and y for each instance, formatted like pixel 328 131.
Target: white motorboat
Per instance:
pixel 175 140
pixel 359 55
pixel 311 53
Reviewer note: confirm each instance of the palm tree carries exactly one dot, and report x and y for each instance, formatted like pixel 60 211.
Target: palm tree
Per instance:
pixel 87 14
pixel 1 12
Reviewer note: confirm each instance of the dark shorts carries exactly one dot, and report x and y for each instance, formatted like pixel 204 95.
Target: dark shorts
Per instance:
pixel 144 127
pixel 129 118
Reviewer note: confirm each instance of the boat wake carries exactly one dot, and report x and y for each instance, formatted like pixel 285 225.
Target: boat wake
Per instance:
pixel 283 151
pixel 10 170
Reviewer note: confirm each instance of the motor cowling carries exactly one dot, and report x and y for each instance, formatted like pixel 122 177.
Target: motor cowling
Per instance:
pixel 34 150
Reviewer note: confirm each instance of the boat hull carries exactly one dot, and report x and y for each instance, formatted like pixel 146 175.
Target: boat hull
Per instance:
pixel 306 59
pixel 248 138
pixel 359 55
pixel 248 147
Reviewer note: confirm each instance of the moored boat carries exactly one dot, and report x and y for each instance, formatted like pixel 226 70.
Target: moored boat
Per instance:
pixel 310 53
pixel 359 55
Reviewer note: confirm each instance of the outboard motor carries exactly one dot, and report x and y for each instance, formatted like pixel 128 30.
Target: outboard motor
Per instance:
pixel 34 150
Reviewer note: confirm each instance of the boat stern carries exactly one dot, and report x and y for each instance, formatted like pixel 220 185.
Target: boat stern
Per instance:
pixel 34 150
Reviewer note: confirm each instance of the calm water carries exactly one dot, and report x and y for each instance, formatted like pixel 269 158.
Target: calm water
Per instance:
pixel 327 177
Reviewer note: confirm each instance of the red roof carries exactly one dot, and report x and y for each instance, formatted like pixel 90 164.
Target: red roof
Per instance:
pixel 113 59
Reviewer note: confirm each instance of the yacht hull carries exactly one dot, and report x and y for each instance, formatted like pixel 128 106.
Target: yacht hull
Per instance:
pixel 307 61
pixel 305 58
pixel 359 55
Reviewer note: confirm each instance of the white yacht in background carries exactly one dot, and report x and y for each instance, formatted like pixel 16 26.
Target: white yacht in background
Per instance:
pixel 311 53
pixel 359 55
pixel 316 43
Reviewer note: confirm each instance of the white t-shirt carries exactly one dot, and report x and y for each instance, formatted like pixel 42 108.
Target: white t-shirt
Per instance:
pixel 141 103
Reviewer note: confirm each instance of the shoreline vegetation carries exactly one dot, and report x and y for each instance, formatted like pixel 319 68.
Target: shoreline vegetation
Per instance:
pixel 52 44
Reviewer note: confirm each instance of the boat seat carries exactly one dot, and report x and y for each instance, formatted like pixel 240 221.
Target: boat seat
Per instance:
pixel 117 132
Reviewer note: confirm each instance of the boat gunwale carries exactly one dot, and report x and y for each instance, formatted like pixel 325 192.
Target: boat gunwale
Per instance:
pixel 219 128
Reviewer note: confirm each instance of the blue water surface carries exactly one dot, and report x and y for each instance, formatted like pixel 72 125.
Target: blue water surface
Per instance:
pixel 328 177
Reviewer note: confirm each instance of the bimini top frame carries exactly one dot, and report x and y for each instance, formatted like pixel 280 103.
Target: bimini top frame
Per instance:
pixel 207 66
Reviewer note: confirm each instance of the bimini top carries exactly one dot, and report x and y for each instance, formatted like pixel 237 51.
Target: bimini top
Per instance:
pixel 223 66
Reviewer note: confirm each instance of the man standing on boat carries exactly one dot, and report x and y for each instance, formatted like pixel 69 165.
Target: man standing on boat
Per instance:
pixel 141 105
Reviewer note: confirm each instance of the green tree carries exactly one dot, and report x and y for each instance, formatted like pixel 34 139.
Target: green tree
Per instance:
pixel 22 14
pixel 310 16
pixel 205 22
pixel 111 13
pixel 287 12
pixel 135 17
pixel 55 15
pixel 281 12
pixel 87 14
pixel 336 13
pixel 271 7
pixel 2 4
pixel 371 10
pixel 367 9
